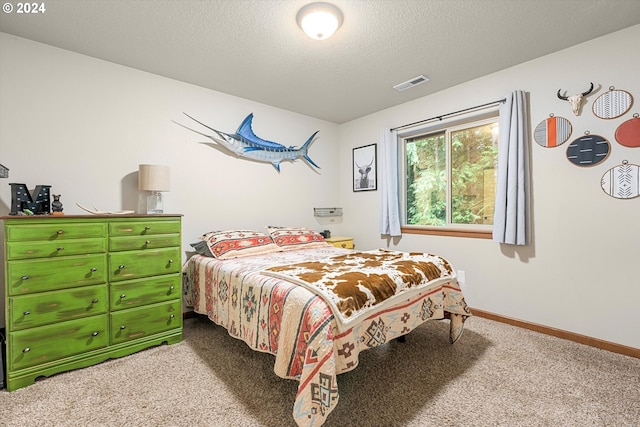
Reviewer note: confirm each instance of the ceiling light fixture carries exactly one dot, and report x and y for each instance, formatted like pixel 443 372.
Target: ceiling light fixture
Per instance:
pixel 319 20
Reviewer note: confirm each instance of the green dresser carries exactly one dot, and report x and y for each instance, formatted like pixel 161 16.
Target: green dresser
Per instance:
pixel 83 289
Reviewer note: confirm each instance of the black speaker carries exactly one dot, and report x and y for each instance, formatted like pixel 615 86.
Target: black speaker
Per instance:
pixel 2 358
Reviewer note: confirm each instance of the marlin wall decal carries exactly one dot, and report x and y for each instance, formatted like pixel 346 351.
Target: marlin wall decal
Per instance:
pixel 245 143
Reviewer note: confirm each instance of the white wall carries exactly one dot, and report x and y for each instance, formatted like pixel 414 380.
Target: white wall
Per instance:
pixel 582 272
pixel 83 126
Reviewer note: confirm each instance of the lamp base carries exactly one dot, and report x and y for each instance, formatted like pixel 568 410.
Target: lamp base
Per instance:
pixel 154 203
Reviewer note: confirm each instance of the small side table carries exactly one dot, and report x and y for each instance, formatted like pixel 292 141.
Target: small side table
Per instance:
pixel 341 242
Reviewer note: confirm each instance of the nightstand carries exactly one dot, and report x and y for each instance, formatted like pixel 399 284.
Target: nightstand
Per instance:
pixel 341 242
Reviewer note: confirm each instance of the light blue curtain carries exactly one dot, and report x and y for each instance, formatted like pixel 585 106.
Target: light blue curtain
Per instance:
pixel 512 219
pixel 389 190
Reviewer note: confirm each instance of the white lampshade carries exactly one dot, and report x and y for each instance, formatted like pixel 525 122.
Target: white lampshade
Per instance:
pixel 319 20
pixel 153 178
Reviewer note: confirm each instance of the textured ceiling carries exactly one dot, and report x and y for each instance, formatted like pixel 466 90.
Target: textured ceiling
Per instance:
pixel 255 50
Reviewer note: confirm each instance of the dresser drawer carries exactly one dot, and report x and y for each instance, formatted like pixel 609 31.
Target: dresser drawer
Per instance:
pixel 146 227
pixel 47 343
pixel 137 264
pixel 134 293
pixel 341 242
pixel 28 311
pixel 28 249
pixel 38 275
pixel 55 231
pixel 153 241
pixel 346 244
pixel 140 322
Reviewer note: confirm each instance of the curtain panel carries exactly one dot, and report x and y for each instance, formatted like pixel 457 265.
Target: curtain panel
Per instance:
pixel 512 218
pixel 389 189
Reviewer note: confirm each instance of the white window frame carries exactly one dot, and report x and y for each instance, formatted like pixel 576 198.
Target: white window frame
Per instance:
pixel 462 230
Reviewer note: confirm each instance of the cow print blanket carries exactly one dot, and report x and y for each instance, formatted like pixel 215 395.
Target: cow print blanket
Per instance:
pixel 359 282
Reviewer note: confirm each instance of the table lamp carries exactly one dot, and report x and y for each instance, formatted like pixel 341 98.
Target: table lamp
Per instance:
pixel 153 178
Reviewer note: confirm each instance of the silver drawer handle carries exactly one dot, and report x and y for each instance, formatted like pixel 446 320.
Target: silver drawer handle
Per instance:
pixel 122 327
pixel 95 300
pixel 24 278
pixel 94 269
pixel 59 232
pixel 121 266
pixel 123 296
pixel 171 288
pixel 26 313
pixel 59 248
pixel 26 350
pixel 170 261
pixel 95 334
pixel 147 228
pixel 172 316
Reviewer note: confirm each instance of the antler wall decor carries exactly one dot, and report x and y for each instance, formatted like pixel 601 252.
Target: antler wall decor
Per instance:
pixel 575 100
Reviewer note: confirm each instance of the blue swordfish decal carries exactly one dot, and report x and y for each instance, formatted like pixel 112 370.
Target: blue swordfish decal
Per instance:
pixel 245 143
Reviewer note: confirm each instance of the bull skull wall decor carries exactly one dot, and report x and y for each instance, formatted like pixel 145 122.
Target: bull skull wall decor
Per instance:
pixel 575 100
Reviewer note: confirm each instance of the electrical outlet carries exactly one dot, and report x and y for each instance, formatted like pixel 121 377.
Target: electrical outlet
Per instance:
pixel 461 276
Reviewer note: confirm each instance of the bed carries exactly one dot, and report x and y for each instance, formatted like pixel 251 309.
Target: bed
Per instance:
pixel 314 306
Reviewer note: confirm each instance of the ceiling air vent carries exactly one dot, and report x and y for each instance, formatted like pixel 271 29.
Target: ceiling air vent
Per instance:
pixel 411 83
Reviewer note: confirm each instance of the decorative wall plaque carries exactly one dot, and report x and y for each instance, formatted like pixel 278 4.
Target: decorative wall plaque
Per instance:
pixel 628 133
pixel 588 150
pixel 622 181
pixel 552 132
pixel 612 104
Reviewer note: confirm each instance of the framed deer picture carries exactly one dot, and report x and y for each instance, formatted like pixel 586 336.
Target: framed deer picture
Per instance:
pixel 365 168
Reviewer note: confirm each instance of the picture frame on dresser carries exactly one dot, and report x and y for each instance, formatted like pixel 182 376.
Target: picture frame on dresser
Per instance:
pixel 365 168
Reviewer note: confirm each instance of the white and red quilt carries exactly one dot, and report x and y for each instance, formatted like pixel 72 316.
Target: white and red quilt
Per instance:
pixel 321 310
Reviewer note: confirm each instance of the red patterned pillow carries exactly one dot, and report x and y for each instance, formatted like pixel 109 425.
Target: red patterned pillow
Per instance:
pixel 235 243
pixel 289 238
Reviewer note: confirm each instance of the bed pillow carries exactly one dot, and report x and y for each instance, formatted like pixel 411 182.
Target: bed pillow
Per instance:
pixel 290 238
pixel 235 243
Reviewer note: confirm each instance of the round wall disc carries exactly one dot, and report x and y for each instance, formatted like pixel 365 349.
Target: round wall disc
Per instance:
pixel 628 133
pixel 588 150
pixel 622 181
pixel 552 132
pixel 612 104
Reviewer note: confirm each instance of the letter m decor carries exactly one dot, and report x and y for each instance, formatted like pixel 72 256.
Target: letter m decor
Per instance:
pixel 22 199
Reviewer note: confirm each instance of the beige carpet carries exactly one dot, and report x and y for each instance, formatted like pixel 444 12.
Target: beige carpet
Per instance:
pixel 496 375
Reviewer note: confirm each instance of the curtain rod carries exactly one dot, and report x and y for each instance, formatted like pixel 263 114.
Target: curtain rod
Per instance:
pixel 440 117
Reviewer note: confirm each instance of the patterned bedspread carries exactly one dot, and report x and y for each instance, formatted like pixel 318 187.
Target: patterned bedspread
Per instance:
pixel 357 283
pixel 298 326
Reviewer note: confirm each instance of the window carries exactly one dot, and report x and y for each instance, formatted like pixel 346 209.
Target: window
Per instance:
pixel 449 179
